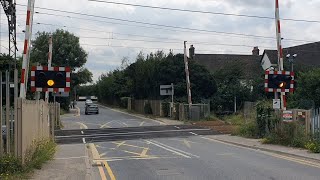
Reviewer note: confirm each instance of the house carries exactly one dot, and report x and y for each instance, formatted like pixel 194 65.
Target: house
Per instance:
pixel 213 62
pixel 307 55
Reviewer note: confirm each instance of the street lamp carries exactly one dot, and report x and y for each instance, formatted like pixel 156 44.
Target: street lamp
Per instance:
pixel 291 59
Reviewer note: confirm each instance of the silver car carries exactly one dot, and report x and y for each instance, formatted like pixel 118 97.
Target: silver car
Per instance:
pixel 91 108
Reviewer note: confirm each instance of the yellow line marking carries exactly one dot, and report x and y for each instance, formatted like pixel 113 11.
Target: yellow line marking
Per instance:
pixel 144 152
pixel 120 144
pixel 96 155
pixel 187 143
pixel 101 171
pixel 299 161
pixel 130 152
pixel 124 144
pixel 141 123
pixel 112 177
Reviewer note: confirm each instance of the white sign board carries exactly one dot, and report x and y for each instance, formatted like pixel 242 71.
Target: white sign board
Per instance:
pixel 276 104
pixel 166 90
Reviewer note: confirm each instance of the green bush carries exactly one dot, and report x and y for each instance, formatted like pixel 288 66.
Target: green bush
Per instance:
pixel 124 102
pixel 9 164
pixel 288 134
pixel 11 167
pixel 313 146
pixel 249 130
pixel 235 119
pixel 165 109
pixel 147 108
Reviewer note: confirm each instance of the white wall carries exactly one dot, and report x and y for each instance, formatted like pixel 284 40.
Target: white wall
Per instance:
pixel 266 63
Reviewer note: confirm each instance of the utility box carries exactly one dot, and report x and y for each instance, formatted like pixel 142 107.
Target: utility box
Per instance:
pixel 195 113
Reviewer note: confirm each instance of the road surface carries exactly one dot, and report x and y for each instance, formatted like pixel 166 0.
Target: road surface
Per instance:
pixel 183 155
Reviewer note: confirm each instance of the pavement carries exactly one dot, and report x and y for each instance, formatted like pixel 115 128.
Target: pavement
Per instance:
pixel 183 157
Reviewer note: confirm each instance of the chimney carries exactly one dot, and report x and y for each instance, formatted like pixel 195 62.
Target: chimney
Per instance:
pixel 255 51
pixel 191 52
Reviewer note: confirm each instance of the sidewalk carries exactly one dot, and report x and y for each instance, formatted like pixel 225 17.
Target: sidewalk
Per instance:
pixel 71 161
pixel 256 144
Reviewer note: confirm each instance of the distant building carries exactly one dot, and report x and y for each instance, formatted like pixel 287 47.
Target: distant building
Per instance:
pixel 308 55
pixel 251 63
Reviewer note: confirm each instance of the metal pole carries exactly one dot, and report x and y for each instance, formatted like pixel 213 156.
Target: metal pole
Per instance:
pixel 8 110
pixel 1 115
pixel 235 104
pixel 280 50
pixel 49 64
pixel 172 93
pixel 16 110
pixel 25 62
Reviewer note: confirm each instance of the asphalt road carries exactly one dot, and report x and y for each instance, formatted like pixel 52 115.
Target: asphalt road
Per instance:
pixel 184 157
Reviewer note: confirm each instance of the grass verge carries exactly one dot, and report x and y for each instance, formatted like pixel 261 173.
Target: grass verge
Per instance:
pixel 12 168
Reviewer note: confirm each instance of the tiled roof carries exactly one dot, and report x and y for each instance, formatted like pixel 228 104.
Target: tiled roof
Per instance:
pixel 214 62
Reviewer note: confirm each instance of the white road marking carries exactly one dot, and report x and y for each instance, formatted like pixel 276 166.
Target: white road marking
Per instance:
pixel 177 127
pixel 175 149
pixel 84 140
pixel 193 133
pixel 166 148
pixel 82 132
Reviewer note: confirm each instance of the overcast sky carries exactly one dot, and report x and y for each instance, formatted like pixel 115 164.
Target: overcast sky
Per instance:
pixel 109 41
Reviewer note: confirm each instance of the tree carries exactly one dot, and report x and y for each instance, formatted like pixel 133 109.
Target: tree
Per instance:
pixel 307 93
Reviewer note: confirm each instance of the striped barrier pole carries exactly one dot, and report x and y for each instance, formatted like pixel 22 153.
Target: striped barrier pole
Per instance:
pixel 49 63
pixel 26 50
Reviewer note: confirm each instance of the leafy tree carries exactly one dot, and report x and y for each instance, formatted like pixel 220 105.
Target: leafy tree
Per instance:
pixel 307 93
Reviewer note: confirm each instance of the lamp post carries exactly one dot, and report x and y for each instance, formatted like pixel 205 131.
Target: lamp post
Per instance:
pixel 291 59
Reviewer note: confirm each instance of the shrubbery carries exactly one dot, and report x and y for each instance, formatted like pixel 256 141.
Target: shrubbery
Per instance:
pixel 11 167
pixel 147 108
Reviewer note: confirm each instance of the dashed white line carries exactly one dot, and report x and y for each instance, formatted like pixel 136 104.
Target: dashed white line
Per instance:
pixel 193 133
pixel 82 132
pixel 84 140
pixel 177 127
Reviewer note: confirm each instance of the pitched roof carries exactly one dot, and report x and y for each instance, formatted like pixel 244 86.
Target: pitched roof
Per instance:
pixel 214 62
pixel 308 54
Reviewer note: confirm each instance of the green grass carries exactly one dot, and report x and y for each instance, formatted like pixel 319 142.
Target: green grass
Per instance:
pixel 235 119
pixel 11 167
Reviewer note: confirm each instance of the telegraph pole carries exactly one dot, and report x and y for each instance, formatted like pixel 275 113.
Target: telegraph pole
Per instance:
pixel 187 75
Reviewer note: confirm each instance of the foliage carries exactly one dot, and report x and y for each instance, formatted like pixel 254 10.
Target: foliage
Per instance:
pixel 249 130
pixel 142 79
pixel 288 134
pixel 308 90
pixel 235 119
pixel 147 108
pixel 266 117
pixel 11 167
pixel 313 146
pixel 124 102
pixel 231 83
pixel 166 109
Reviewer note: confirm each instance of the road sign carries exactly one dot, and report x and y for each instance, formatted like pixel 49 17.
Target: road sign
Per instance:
pixel 166 90
pixel 287 116
pixel 276 104
pixel 279 81
pixel 50 79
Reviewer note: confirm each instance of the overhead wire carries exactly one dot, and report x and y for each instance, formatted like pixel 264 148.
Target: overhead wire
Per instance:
pixel 205 12
pixel 161 25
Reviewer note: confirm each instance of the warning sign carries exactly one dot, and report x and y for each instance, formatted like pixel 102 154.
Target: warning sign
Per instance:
pixel 287 116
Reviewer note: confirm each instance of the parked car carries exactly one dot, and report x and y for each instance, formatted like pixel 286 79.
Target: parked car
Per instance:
pixel 88 101
pixel 91 108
